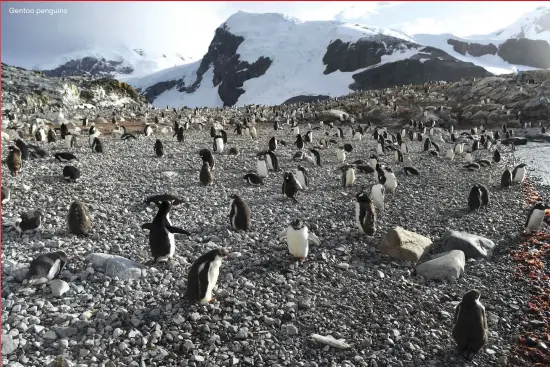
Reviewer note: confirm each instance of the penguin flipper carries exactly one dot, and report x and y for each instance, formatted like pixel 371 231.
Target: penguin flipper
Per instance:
pixel 147 226
pixel 177 230
pixel 203 280
pixel 313 238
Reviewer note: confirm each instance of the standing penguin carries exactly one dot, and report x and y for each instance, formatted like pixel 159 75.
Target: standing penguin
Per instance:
pixel 23 148
pixel 78 219
pixel 341 155
pixel 239 215
pixel 518 174
pixel 161 234
pixel 271 160
pixel 46 267
pixel 302 177
pixel 536 217
pixel 97 146
pixel 148 130
pixel 6 195
pixel 205 175
pixel 474 198
pixel 52 136
pixel 365 214
pixel 29 221
pixel 297 238
pixel 218 144
pixel 348 175
pixel 159 148
pixel 399 156
pixel 427 144
pixel 317 157
pixel 506 178
pixel 179 134
pixel 203 276
pixel 272 144
pixel 377 195
pixel 261 166
pixel 496 156
pixel 470 325
pixel 290 186
pixel 391 181
pixel 14 160
pixel 40 135
pixel 485 195
pixel 299 142
pixel 206 156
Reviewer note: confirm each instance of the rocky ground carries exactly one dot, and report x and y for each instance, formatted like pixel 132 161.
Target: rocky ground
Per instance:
pixel 267 306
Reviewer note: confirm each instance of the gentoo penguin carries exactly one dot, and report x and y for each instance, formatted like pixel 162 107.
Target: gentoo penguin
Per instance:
pixel 37 152
pixel 348 175
pixel 475 145
pixel 297 131
pixel 472 166
pixel 161 234
pixel 97 146
pixel 365 214
pixel 148 130
pixel 272 144
pixel 518 174
pixel 496 156
pixel 253 133
pixel 474 198
pixel 404 148
pixel 40 135
pixel 52 136
pixel 203 276
pixel 299 142
pixel 6 195
pixel 341 155
pixel 218 144
pixel 302 177
pixel 485 195
pixel 271 160
pixel 23 148
pixel 399 156
pixel 224 136
pixel 291 186
pixel 71 173
pixel 64 130
pixel 391 181
pixel 179 134
pixel 377 195
pixel 470 325
pixel 380 149
pixel 14 160
pixel 410 170
pixel 29 221
pixel 261 166
pixel 535 217
pixel 427 144
pixel 297 238
pixel 64 156
pixel 459 148
pixel 205 176
pixel 317 156
pixel 78 219
pixel 308 138
pixel 70 140
pixel 127 136
pixel 506 178
pixel 373 160
pixel 163 197
pixel 239 215
pixel 212 131
pixel 159 148
pixel 206 156
pixel 46 267
pixel 253 179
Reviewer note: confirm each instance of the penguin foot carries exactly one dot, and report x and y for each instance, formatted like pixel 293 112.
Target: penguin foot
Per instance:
pixel 212 300
pixel 302 259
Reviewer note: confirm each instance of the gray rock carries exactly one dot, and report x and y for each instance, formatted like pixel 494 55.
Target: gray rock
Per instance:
pixel 9 345
pixel 404 245
pixel 331 341
pixel 472 245
pixel 118 266
pixel 59 287
pixel 445 266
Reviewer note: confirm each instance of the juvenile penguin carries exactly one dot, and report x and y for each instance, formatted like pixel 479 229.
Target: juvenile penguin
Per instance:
pixel 291 186
pixel 78 219
pixel 261 167
pixel 348 175
pixel 23 148
pixel 377 195
pixel 29 221
pixel 391 181
pixel 161 234
pixel 46 267
pixel 71 173
pixel 14 161
pixel 203 276
pixel 474 198
pixel 496 156
pixel 518 174
pixel 341 155
pixel 297 238
pixel 302 177
pixel 159 148
pixel 239 215
pixel 506 178
pixel 410 171
pixel 470 325
pixel 206 156
pixel 536 217
pixel 6 195
pixel 365 214
pixel 205 175
pixel 253 179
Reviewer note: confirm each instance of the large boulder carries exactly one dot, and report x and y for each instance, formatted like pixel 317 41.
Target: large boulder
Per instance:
pixel 472 245
pixel 118 266
pixel 444 266
pixel 405 245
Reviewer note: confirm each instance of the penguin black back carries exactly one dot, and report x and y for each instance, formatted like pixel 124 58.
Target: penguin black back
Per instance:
pixel 239 216
pixel 506 178
pixel 474 198
pixel 97 146
pixel 23 148
pixel 205 175
pixel 71 173
pixel 496 156
pixel 206 156
pixel 159 148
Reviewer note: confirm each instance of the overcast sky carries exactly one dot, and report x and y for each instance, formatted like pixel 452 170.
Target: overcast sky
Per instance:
pixel 188 27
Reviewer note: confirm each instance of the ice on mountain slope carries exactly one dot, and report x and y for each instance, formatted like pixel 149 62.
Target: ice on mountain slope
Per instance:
pixel 534 25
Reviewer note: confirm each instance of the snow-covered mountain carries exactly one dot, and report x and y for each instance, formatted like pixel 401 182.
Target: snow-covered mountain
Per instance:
pixel 271 58
pixel 119 62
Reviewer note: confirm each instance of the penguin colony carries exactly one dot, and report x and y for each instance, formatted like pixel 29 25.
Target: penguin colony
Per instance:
pixel 470 152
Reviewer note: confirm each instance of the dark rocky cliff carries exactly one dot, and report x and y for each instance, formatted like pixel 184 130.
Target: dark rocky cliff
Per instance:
pixel 474 49
pixel 89 66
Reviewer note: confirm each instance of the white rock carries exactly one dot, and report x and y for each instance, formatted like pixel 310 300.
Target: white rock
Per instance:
pixel 330 341
pixel 59 287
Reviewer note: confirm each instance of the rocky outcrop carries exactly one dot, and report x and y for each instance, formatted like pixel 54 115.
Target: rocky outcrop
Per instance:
pixel 472 245
pixel 474 49
pixel 306 99
pixel 157 89
pixel 523 51
pixel 90 66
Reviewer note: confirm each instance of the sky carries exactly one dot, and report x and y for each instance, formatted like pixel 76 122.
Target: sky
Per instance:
pixel 51 29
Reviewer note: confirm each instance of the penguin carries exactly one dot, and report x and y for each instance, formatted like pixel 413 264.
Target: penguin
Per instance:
pixel 468 157
pixel 308 138
pixel 365 214
pixel 71 173
pixel 410 170
pixel 52 136
pixel 85 122
pixel 253 133
pixel 391 181
pixel 472 166
pixel 348 175
pixel 70 140
pixel 348 148
pixel 475 145
pixel 29 221
pixel 14 160
pixel 218 144
pixel 290 186
pixel 484 163
pixel 97 146
pixel 6 195
pixel 159 148
pixel 276 125
pixel 224 136
pixel 399 156
pixel 46 267
pixel 404 148
pixel 506 178
pixel 64 157
pixel 379 172
pixel 37 152
pixel 470 329
pixel 64 131
pixel 203 276
pixel 271 160
pixel 161 234
pixel 148 130
pixel 272 144
pixel 179 134
pixel 297 237
pixel 377 195
pixel 127 136
pixel 78 220
pixel 373 160
pixel 205 175
pixel 299 142
pixel 40 135
pixel 317 156
pixel 474 198
pixel 427 144
pixel 253 179
pixel 302 177
pixel 233 151
pixel 536 217
pixel 485 195
pixel 206 156
pixel 261 167
pixel 496 156
pixel 450 155
pixel 518 174
pixel 23 149
pixel 459 148
pixel 380 149
pixel 239 215
pixel 341 155
pixel 212 131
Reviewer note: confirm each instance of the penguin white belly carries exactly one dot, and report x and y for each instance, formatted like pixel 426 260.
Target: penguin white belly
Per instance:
pixel 269 162
pixel 357 136
pixel 298 245
pixel 296 130
pixel 535 220
pixel 373 163
pixel 213 274
pixel 301 179
pixel 450 154
pixel 520 175
pixel 379 149
pixel 234 215
pixel 341 156
pixel 350 177
pixel 391 182
pixel 219 145
pixel 54 270
pixel 377 197
pixel 262 169
pixel 469 158
pixel 404 149
pixel 68 139
pixel 357 217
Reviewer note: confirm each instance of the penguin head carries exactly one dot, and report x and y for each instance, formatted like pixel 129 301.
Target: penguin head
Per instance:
pixel 165 206
pixel 522 165
pixel 471 297
pixel 62 255
pixel 297 224
pixel 13 148
pixel 541 206
pixel 234 197
pixel 221 253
